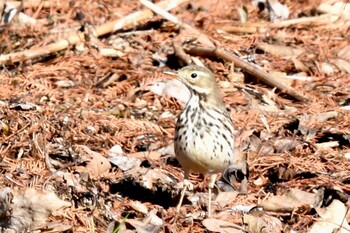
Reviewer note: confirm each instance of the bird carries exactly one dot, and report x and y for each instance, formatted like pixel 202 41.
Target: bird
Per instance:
pixel 204 140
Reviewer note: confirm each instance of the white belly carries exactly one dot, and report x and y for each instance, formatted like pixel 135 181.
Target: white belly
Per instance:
pixel 206 145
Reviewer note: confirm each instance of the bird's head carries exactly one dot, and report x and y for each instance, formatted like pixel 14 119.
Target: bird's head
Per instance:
pixel 198 79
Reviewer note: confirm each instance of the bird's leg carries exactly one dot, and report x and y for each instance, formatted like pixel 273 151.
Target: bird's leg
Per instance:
pixel 186 185
pixel 210 187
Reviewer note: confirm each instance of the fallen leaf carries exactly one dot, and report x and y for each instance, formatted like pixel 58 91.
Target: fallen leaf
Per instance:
pixel 65 83
pixel 139 207
pixel 225 198
pixel 332 219
pixel 281 50
pixel 289 201
pixel 24 106
pixel 326 68
pixel 27 208
pixel 153 155
pixel 123 162
pixel 325 116
pixel 96 164
pixel 217 225
pixel 142 227
pixel 299 65
pixel 154 176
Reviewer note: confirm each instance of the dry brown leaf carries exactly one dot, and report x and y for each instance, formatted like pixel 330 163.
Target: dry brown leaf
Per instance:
pixel 155 176
pixel 325 116
pixel 168 150
pixel 142 227
pixel 225 198
pixel 332 219
pixel 54 227
pixel 153 155
pixel 217 225
pixel 287 202
pixel 73 181
pixel 300 66
pixel 139 207
pixel 285 144
pixel 27 208
pixel 96 164
pixel 153 218
pixel 281 50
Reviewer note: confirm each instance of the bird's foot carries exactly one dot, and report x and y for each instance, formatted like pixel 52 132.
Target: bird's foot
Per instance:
pixel 186 184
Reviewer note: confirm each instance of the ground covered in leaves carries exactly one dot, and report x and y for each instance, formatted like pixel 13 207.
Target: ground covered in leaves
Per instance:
pixel 87 115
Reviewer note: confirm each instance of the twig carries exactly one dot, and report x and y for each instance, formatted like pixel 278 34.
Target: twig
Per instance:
pixel 17 132
pixel 156 9
pixel 43 153
pixel 181 54
pixel 128 21
pixel 315 21
pixel 13 180
pixel 264 27
pixel 244 28
pixel 200 37
pixel 105 82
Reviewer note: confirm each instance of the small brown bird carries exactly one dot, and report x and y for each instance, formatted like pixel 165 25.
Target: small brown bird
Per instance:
pixel 204 134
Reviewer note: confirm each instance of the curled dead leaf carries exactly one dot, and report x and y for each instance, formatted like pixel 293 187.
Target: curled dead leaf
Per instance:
pixel 332 219
pixel 96 164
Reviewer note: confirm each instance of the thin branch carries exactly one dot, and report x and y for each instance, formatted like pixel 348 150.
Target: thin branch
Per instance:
pixel 200 36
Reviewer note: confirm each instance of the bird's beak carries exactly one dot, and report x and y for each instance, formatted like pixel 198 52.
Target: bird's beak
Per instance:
pixel 172 73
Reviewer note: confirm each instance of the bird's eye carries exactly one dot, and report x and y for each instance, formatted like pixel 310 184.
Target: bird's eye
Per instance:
pixel 193 75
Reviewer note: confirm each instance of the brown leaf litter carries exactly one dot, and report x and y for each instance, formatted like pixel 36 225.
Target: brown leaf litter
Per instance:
pixel 79 78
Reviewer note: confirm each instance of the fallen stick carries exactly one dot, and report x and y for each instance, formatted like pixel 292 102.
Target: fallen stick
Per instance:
pixel 306 21
pixel 211 50
pixel 128 21
pixel 264 27
pixel 200 37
